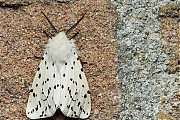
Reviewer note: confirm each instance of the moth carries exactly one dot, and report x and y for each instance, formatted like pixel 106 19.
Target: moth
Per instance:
pixel 60 82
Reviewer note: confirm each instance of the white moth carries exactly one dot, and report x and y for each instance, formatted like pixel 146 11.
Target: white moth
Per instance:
pixel 59 82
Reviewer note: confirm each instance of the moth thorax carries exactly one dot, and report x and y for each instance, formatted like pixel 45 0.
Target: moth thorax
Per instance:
pixel 59 47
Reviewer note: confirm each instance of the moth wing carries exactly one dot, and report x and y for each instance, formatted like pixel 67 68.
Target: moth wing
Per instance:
pixel 41 103
pixel 75 94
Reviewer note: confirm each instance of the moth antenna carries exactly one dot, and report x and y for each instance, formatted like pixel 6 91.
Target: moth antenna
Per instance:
pixel 76 23
pixel 74 35
pixel 49 22
pixel 47 35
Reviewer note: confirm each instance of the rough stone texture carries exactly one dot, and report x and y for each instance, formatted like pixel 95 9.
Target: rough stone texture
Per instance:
pixel 21 38
pixel 169 18
pixel 148 37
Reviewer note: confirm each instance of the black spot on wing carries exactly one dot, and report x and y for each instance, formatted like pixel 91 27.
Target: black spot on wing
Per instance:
pixel 36 108
pixel 39 103
pixel 42 58
pixel 65 63
pixel 38 69
pixel 72 108
pixel 52 64
pixel 64 75
pixel 75 113
pixel 81 69
pixel 68 106
pixel 34 95
pixel 39 75
pixel 88 92
pixel 81 108
pixel 84 111
pixel 31 90
pixel 49 106
pixel 80 76
pixel 79 104
pixel 49 91
pixel 85 96
pixel 53 75
pixel 42 114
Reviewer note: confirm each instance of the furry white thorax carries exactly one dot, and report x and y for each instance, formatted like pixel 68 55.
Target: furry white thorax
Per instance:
pixel 60 48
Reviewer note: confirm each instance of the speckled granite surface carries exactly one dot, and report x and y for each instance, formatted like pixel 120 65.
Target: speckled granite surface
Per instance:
pixel 148 35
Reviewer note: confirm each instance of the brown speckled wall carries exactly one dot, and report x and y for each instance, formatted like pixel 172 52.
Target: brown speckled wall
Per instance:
pixel 22 37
